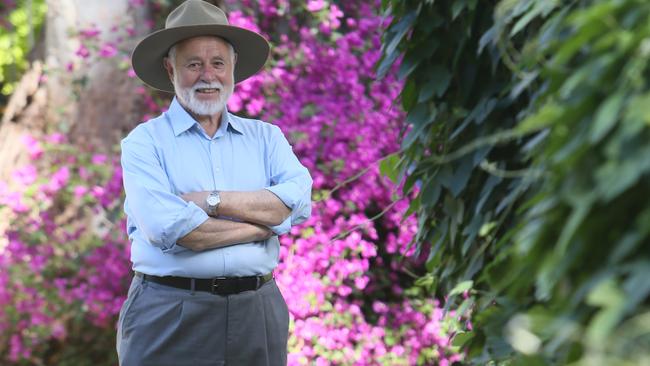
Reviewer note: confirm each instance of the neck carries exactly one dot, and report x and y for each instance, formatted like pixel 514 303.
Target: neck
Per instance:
pixel 210 123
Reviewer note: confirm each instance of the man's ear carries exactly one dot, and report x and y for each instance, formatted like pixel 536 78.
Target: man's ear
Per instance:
pixel 167 63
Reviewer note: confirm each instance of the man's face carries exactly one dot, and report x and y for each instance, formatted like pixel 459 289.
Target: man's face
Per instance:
pixel 202 74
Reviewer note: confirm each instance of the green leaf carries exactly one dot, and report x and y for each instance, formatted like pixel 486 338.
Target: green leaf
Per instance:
pixel 461 288
pixel 427 90
pixel 587 25
pixel 610 299
pixel 456 7
pixel 577 217
pixel 546 116
pixel 615 176
pixel 470 232
pixel 526 79
pixel 417 57
pixel 409 95
pixel 607 116
pixel 412 136
pixel 421 114
pixel 430 193
pixel 488 37
pixel 387 60
pixel 399 30
pixel 461 176
pixel 389 167
pixel 441 78
pixel 541 8
pixel 461 338
pixel 407 66
pixel 637 286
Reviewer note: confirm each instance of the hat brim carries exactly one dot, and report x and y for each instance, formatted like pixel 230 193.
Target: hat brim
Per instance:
pixel 147 58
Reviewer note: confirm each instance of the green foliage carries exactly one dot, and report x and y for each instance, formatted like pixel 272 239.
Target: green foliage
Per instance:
pixel 529 151
pixel 16 41
pixel 462 149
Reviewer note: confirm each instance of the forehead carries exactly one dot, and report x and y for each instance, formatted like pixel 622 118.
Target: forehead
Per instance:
pixel 200 45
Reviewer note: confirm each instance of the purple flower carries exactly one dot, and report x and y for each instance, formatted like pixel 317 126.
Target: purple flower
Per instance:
pixel 55 138
pixel 108 50
pixel 25 176
pixel 99 159
pixel 89 33
pixel 80 191
pixel 82 51
pixel 33 147
pixel 315 5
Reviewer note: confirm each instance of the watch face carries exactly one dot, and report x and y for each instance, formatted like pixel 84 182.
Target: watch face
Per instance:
pixel 213 200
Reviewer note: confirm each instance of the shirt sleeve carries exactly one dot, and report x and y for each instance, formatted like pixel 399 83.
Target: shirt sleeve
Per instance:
pixel 162 216
pixel 290 181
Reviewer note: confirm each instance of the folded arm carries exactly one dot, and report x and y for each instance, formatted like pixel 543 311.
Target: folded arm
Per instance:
pixel 260 207
pixel 165 219
pixel 217 233
pixel 282 204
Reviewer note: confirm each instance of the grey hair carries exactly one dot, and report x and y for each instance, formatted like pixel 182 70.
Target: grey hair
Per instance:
pixel 172 52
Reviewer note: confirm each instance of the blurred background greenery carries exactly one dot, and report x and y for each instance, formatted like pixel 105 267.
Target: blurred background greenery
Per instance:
pixel 529 149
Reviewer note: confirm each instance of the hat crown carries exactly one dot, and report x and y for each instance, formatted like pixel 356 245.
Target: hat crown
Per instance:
pixel 195 12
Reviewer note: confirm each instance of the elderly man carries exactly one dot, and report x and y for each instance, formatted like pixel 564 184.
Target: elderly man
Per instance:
pixel 207 193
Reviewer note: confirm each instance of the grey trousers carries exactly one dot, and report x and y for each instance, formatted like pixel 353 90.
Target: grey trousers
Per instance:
pixel 164 326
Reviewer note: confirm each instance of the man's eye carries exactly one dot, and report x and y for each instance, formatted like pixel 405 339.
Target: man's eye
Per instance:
pixel 194 65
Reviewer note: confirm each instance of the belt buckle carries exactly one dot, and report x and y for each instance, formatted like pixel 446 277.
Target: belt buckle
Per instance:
pixel 215 285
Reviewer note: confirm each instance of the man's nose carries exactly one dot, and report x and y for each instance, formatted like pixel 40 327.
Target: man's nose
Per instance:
pixel 209 73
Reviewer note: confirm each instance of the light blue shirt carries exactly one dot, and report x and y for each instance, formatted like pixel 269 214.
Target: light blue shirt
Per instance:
pixel 171 155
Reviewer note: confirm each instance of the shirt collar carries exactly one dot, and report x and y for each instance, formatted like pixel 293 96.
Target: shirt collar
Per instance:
pixel 182 121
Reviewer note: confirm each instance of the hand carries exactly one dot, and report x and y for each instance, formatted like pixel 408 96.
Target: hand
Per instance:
pixel 264 233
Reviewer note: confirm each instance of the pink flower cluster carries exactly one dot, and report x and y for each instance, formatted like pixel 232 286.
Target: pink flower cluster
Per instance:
pixel 65 272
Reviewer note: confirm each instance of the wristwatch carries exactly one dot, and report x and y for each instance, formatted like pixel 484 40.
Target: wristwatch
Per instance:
pixel 212 202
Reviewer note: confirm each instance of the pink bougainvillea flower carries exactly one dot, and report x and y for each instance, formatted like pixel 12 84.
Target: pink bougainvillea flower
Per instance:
pixel 82 51
pixel 34 147
pixel 25 176
pixel 315 5
pixel 99 159
pixel 89 33
pixel 108 50
pixel 55 138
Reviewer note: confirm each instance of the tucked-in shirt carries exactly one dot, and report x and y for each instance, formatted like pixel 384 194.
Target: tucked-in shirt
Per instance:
pixel 170 155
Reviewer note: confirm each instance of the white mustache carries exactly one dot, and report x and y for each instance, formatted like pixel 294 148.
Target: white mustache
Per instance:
pixel 204 85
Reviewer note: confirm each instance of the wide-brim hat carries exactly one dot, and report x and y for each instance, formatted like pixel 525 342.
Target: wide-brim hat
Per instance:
pixel 195 18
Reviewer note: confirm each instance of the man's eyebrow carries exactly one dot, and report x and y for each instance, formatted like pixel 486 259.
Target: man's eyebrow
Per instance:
pixel 193 58
pixel 197 58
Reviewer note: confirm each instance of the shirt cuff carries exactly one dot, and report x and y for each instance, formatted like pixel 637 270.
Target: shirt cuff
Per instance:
pixel 190 218
pixel 283 228
pixel 286 193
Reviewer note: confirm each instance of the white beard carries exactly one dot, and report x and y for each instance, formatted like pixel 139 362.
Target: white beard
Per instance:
pixel 188 99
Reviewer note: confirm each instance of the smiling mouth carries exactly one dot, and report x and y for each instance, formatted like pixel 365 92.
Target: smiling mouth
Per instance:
pixel 207 90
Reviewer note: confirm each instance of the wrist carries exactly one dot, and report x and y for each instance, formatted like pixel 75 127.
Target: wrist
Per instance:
pixel 212 203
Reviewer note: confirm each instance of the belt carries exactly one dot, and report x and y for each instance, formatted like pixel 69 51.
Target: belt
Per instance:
pixel 218 285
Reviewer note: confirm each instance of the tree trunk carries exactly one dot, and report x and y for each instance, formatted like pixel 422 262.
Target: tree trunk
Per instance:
pixel 105 107
pixel 25 113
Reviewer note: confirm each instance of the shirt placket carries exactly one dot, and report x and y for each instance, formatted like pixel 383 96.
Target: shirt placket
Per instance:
pixel 215 160
pixel 217 168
